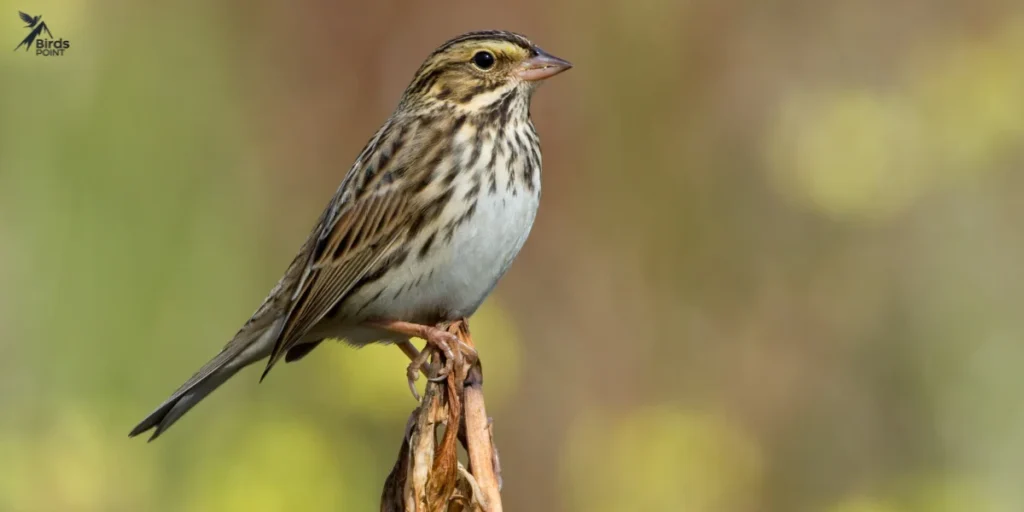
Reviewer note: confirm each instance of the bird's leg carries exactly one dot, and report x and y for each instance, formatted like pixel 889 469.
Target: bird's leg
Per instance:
pixel 436 338
pixel 408 349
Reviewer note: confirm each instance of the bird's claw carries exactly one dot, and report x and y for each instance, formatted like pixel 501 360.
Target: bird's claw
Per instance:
pixel 442 374
pixel 412 372
pixel 443 342
pixel 413 375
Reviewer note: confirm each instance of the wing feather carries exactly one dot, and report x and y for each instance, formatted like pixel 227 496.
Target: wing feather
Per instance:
pixel 364 226
pixel 359 239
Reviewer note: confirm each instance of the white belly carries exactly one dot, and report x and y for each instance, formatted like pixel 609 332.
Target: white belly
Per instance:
pixel 455 279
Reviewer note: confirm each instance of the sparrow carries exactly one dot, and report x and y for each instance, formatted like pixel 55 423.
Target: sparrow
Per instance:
pixel 424 224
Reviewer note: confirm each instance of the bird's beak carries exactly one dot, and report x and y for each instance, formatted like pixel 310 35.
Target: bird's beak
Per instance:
pixel 541 66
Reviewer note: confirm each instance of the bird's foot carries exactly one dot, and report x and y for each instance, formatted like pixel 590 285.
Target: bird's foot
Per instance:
pixel 437 340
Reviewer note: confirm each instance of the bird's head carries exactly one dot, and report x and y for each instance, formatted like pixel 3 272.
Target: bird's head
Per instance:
pixel 476 70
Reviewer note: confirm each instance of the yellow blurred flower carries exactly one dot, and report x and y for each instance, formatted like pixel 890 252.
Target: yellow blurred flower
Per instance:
pixel 72 464
pixel 276 465
pixel 863 153
pixel 661 459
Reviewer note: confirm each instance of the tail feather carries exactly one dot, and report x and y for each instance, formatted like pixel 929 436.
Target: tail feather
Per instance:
pixel 187 396
pixel 241 352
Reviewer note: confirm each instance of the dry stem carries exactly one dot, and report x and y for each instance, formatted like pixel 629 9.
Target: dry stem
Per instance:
pixel 428 477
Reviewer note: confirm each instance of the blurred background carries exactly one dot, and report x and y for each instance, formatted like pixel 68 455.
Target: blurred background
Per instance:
pixel 777 266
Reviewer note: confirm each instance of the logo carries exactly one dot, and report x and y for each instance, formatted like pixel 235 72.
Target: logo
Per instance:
pixel 47 47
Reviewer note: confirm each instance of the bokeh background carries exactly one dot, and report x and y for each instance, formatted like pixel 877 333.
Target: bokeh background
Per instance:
pixel 777 266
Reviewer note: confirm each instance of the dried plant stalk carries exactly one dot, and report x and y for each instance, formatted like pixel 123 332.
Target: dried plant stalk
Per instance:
pixel 483 456
pixel 428 477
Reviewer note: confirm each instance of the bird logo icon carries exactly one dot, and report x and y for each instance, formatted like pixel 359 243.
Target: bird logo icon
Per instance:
pixel 31 20
pixel 37 26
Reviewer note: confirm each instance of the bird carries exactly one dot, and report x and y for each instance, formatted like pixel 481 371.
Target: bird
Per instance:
pixel 425 222
pixel 28 18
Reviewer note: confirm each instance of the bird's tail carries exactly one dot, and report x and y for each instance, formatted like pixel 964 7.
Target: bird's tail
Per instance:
pixel 243 350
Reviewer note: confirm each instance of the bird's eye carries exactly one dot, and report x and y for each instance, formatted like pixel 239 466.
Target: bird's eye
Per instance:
pixel 483 60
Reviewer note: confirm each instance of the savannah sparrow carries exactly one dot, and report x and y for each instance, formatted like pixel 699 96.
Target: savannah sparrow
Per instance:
pixel 425 222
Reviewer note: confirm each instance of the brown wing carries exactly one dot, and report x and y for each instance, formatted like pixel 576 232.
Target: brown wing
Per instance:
pixel 360 238
pixel 353 236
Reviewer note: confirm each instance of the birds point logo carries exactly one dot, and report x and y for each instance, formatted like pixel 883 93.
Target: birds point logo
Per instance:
pixel 47 47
